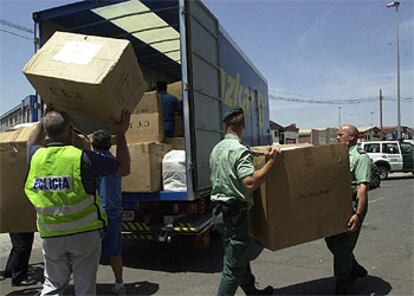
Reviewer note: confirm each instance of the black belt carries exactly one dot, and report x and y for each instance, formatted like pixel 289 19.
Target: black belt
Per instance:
pixel 234 211
pixel 231 205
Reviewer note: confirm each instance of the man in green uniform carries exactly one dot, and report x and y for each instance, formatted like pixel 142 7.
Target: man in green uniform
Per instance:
pixel 346 268
pixel 233 181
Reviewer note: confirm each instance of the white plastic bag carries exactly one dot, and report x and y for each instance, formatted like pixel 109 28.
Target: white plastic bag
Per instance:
pixel 173 171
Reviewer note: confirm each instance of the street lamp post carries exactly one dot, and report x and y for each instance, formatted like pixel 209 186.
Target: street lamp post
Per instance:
pixel 339 116
pixel 396 4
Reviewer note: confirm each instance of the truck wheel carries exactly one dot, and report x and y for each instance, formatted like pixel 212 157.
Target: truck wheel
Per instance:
pixel 383 171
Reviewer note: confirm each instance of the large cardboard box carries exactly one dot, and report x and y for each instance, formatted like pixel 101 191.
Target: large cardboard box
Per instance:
pixel 91 78
pixel 16 212
pixel 146 120
pixel 146 166
pixel 307 196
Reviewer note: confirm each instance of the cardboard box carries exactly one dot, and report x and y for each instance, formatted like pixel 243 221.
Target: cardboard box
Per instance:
pixel 149 103
pixel 146 165
pixel 146 120
pixel 176 142
pixel 175 89
pixel 91 78
pixel 16 212
pixel 307 196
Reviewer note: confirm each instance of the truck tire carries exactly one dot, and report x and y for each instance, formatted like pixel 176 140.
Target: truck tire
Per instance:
pixel 375 180
pixel 383 171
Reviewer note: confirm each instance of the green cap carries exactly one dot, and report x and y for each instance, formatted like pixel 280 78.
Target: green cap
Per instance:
pixel 231 112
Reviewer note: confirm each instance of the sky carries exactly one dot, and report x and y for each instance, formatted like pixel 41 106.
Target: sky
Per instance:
pixel 307 49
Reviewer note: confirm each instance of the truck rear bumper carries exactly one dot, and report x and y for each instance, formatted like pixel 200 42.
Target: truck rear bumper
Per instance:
pixel 187 225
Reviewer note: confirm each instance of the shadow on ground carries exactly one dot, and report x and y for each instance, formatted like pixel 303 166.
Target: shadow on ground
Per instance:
pixel 139 288
pixel 178 256
pixel 26 291
pixel 371 285
pixel 35 272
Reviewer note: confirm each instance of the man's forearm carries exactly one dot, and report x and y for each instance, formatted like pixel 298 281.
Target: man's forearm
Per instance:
pixel 254 181
pixel 122 155
pixel 362 197
pixel 37 136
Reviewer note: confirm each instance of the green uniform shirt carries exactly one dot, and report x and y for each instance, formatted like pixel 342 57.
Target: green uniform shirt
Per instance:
pixel 230 162
pixel 360 165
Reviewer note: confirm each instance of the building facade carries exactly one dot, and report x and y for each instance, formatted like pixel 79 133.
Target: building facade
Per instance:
pixel 284 135
pixel 390 132
pixel 25 112
pixel 318 136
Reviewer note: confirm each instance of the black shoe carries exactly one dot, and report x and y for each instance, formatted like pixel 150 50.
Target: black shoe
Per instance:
pixel 266 291
pixel 4 275
pixel 24 282
pixel 357 272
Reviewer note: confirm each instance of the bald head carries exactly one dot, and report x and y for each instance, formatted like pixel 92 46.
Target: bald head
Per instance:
pixel 347 133
pixel 56 124
pixel 350 129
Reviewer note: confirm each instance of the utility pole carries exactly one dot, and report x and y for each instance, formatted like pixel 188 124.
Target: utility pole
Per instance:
pixel 339 116
pixel 396 4
pixel 380 114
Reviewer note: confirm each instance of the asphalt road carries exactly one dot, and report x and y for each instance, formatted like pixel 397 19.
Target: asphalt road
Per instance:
pixel 385 248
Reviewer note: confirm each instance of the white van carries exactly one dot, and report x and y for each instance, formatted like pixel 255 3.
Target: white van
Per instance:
pixel 390 156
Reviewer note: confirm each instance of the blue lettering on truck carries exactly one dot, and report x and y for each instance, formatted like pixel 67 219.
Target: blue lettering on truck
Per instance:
pixel 242 86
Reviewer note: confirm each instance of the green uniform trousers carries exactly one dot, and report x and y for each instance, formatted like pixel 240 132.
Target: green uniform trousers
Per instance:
pixel 234 232
pixel 342 246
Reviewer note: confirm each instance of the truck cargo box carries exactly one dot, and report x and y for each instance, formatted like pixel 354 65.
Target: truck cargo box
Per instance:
pixel 182 43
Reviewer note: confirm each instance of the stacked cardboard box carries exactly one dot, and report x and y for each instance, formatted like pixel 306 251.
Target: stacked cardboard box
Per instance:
pixel 13 169
pixel 307 196
pixel 91 78
pixel 175 89
pixel 146 120
pixel 144 139
pixel 176 142
pixel 146 165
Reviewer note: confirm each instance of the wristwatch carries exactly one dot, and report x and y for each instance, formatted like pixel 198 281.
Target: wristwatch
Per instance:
pixel 359 216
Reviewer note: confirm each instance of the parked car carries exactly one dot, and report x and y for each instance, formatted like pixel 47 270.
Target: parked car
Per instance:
pixel 390 156
pixel 375 177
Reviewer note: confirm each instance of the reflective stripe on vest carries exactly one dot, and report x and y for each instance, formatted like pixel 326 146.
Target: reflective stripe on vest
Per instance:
pixel 68 225
pixel 66 209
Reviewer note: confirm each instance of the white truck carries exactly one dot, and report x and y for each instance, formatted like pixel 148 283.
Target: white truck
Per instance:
pixel 176 40
pixel 390 156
